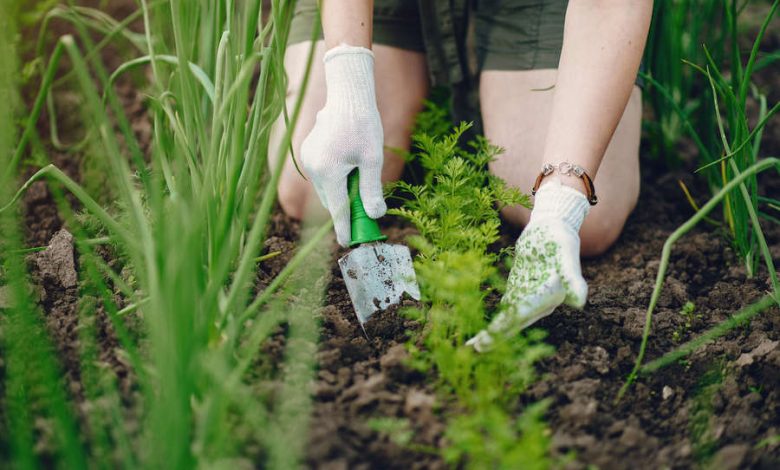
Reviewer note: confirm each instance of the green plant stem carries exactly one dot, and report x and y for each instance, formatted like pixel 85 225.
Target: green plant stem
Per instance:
pixel 35 114
pixel 681 113
pixel 751 210
pixel 132 307
pixel 750 204
pixel 745 80
pixel 761 123
pixel 257 232
pixel 739 318
pixel 93 241
pixel 199 74
pixel 51 171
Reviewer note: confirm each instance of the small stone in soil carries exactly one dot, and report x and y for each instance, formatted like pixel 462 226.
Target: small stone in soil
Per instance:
pixel 730 457
pixel 56 262
pixel 5 297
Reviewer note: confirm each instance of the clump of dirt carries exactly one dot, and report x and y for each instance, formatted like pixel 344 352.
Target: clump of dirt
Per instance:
pixel 56 264
pixel 54 275
pixel 363 374
pixel 56 289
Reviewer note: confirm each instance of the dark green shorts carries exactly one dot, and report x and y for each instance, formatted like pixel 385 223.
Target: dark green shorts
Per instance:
pixel 508 34
pixel 461 38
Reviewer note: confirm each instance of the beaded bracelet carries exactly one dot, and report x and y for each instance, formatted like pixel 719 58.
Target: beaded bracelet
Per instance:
pixel 568 169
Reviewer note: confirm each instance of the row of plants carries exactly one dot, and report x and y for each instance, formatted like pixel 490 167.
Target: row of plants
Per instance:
pixel 699 85
pixel 456 208
pixel 729 147
pixel 181 233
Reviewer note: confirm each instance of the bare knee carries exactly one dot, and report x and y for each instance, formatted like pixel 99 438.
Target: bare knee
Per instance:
pixel 602 228
pixel 599 236
pixel 293 198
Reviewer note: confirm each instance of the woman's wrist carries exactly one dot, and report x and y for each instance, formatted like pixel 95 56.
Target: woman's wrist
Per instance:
pixel 347 21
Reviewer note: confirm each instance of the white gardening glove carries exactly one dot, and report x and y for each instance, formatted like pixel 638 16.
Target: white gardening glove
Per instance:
pixel 546 270
pixel 347 135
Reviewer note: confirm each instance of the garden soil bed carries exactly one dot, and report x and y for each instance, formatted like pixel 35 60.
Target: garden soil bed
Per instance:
pixel 363 376
pixel 652 427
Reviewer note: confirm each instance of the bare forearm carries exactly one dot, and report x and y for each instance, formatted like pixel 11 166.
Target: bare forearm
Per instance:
pixel 602 48
pixel 348 22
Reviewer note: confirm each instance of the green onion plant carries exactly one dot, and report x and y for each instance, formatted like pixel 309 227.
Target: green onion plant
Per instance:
pixel 676 94
pixel 738 166
pixel 721 129
pixel 187 223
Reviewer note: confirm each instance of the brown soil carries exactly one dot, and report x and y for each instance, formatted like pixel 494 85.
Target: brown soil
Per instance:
pixel 362 375
pixel 362 378
pixel 652 426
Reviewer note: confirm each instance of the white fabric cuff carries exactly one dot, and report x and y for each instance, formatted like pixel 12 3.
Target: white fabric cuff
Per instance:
pixel 344 49
pixel 349 75
pixel 558 201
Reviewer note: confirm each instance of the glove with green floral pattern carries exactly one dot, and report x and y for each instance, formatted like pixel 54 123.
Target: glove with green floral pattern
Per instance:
pixel 546 270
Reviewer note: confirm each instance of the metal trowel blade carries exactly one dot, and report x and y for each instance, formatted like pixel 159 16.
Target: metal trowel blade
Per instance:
pixel 377 275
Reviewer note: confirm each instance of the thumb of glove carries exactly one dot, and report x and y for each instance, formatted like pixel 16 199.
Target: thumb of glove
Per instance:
pixel 571 274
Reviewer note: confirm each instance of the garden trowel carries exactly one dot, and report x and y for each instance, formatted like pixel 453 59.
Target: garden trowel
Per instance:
pixel 376 273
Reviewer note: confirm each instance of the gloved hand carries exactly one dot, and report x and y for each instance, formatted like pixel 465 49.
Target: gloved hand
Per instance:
pixel 546 270
pixel 347 134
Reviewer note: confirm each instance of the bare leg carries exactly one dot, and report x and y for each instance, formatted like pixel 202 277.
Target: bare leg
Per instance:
pixel 401 86
pixel 517 118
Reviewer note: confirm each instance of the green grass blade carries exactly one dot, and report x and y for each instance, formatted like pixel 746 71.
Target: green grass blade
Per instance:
pixel 56 174
pixel 32 119
pixel 739 318
pixel 751 137
pixel 197 72
pixel 745 79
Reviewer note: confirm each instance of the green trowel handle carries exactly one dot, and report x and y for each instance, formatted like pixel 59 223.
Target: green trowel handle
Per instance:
pixel 364 228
